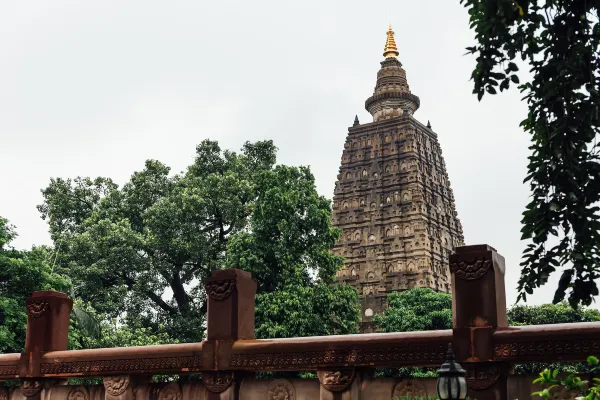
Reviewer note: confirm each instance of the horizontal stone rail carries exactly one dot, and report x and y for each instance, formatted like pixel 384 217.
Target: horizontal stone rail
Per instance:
pixel 547 343
pixel 366 350
pixel 484 344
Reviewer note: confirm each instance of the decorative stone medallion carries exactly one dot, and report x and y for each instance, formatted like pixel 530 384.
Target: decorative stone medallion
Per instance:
pixel 409 388
pixel 31 387
pixel 116 385
pixel 470 270
pixel 481 377
pixel 37 308
pixel 217 382
pixel 281 389
pixel 336 381
pixel 220 290
pixel 78 393
pixel 170 392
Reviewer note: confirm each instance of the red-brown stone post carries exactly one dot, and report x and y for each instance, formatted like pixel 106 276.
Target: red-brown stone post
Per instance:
pixel 48 315
pixel 478 309
pixel 230 294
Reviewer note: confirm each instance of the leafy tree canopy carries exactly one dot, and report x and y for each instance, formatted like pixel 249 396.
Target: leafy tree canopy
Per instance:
pixel 138 252
pixel 559 40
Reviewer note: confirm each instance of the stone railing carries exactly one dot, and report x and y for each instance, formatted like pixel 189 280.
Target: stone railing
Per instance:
pixel 228 358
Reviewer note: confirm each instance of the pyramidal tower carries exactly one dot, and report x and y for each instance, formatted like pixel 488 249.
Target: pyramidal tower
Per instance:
pixel 392 198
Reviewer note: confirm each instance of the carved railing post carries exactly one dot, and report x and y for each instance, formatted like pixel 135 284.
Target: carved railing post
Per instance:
pixel 47 330
pixel 230 294
pixel 478 309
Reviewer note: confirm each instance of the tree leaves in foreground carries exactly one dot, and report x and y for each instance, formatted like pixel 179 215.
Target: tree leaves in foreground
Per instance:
pixel 140 252
pixel 559 40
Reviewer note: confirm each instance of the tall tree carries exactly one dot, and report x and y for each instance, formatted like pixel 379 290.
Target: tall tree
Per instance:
pixel 288 250
pixel 559 40
pixel 139 252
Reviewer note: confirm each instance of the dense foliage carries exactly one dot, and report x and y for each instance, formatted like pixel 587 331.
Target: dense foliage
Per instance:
pixel 560 313
pixel 139 252
pixel 559 40
pixel 417 309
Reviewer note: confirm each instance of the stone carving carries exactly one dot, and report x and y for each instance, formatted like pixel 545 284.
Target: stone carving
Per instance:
pixel 116 385
pixel 9 371
pixel 78 393
pixel 220 290
pixel 31 387
pixel 170 392
pixel 37 308
pixel 480 376
pixel 281 389
pixel 470 270
pixel 191 363
pixel 409 389
pixel 336 381
pixel 546 350
pixel 218 381
pixel 417 354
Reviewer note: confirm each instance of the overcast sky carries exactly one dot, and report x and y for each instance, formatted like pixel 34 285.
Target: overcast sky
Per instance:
pixel 95 88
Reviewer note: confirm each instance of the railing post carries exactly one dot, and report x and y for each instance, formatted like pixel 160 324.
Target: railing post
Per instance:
pixel 48 315
pixel 478 309
pixel 230 294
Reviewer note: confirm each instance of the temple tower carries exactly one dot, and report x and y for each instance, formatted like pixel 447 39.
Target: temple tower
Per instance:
pixel 392 199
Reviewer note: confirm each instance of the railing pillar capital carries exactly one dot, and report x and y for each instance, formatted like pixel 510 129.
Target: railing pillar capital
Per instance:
pixel 478 293
pixel 478 309
pixel 230 295
pixel 48 315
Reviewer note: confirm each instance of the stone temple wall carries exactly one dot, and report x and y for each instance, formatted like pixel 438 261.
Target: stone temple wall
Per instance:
pixel 395 207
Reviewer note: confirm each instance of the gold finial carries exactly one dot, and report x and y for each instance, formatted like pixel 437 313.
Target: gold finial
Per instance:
pixel 390 45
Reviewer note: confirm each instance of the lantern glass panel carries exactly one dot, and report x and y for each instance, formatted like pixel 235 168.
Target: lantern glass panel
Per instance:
pixel 463 387
pixel 454 387
pixel 442 388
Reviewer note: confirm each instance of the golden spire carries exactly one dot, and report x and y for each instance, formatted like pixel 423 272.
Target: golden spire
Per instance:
pixel 390 45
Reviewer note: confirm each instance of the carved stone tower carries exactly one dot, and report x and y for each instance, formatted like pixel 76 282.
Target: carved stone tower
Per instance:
pixel 392 199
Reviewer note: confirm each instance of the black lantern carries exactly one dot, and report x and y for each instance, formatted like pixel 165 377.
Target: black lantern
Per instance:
pixel 451 384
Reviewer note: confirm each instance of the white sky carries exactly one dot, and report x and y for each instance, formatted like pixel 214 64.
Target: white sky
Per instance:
pixel 95 88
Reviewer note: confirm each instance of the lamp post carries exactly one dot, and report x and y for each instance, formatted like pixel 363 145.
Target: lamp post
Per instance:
pixel 451 384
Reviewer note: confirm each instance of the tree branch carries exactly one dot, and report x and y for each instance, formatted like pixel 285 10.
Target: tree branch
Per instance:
pixel 153 296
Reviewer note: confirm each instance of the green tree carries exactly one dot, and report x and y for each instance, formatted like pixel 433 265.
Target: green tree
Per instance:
pixel 417 309
pixel 559 40
pixel 561 313
pixel 21 274
pixel 288 251
pixel 139 252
